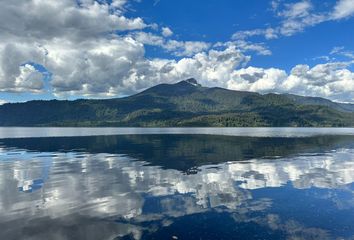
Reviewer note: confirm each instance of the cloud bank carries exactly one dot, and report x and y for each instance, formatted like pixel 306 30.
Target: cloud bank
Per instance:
pixel 92 49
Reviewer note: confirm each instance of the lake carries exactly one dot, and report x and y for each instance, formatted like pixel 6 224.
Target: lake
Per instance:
pixel 176 183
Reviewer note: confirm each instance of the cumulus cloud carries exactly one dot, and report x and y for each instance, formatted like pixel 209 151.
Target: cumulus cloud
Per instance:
pixel 257 79
pixel 39 19
pixel 95 67
pixel 330 80
pixel 29 78
pixel 166 32
pixel 15 74
pixel 212 68
pixel 78 47
pixel 89 50
pixel 69 38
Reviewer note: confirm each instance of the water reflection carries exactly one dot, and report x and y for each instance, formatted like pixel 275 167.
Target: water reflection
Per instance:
pixel 165 186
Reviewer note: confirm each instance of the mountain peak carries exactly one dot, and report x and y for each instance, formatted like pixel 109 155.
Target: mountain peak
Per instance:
pixel 192 81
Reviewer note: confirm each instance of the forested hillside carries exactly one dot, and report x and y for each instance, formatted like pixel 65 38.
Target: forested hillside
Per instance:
pixel 185 103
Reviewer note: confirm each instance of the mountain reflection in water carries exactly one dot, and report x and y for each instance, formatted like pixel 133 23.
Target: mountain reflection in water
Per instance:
pixel 184 186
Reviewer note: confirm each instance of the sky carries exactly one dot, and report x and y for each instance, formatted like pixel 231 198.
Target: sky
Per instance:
pixel 73 49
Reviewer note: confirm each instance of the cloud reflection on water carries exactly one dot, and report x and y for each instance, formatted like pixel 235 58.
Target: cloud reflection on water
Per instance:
pixel 90 195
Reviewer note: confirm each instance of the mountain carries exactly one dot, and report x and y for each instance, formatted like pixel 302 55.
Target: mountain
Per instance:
pixel 346 107
pixel 185 103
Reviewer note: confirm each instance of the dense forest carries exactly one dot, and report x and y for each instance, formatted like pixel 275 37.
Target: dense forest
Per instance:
pixel 185 103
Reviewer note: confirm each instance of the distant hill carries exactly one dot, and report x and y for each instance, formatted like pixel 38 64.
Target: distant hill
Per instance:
pixel 185 103
pixel 346 107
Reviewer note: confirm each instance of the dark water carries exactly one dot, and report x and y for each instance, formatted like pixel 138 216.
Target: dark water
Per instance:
pixel 177 187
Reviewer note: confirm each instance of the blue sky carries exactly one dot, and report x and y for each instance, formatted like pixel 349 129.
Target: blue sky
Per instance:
pixel 217 20
pixel 103 49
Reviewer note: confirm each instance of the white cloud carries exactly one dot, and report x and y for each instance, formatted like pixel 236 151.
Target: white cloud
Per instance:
pixel 77 43
pixel 247 33
pixel 292 26
pixel 343 9
pixel 259 48
pixel 300 15
pixel 187 48
pixel 95 67
pixel 274 4
pixel 256 79
pixel 149 39
pixel 40 19
pixel 268 33
pixel 296 17
pixel 166 32
pixel 322 58
pixel 119 4
pixel 330 80
pixel 73 41
pixel 29 78
pixel 342 52
pixel 213 68
pixel 246 46
pixel 178 48
pixel 222 68
pixel 336 50
pixel 15 74
pixel 297 10
pixel 2 102
pixel 69 38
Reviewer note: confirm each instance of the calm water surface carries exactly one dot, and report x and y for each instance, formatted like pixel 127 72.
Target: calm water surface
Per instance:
pixel 253 183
